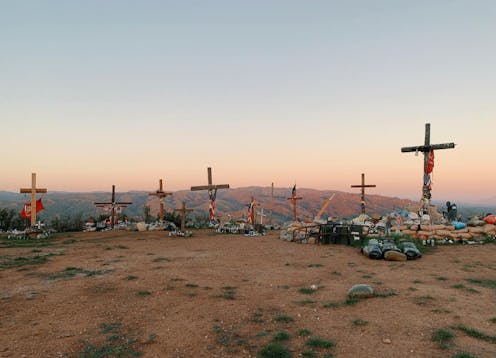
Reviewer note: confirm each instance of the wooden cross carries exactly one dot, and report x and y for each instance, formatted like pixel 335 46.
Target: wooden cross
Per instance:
pixel 293 199
pixel 113 205
pixel 363 186
pixel 251 211
pixel 427 148
pixel 161 194
pixel 33 190
pixel 212 193
pixel 183 211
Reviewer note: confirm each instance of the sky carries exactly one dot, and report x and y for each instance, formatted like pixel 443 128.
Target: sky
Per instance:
pixel 95 93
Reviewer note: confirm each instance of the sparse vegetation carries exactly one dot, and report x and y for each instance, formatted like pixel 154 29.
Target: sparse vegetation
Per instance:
pixel 305 302
pixel 306 290
pixel 317 342
pixel 7 262
pixel 476 333
pixel 131 277
pixel 274 350
pixel 191 285
pixel 315 265
pixel 483 282
pixel 303 332
pixel 70 272
pixel 360 322
pixel 143 293
pixel 332 304
pixel 281 336
pixel 162 259
pixel 283 319
pixel 444 337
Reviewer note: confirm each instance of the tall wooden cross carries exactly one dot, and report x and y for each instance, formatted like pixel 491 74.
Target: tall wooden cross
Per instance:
pixel 183 210
pixel 113 205
pixel 161 194
pixel 362 197
pixel 212 193
pixel 293 199
pixel 33 190
pixel 428 150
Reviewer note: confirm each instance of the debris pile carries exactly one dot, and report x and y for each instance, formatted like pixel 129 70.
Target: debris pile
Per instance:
pixel 300 232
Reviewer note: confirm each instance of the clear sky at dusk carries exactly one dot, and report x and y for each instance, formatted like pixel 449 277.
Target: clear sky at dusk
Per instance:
pixel 95 93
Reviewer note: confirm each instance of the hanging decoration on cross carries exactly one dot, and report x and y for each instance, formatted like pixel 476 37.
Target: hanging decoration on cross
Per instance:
pixel 212 194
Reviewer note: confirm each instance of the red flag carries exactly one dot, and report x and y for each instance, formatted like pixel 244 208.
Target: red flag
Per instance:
pixel 26 209
pixel 430 162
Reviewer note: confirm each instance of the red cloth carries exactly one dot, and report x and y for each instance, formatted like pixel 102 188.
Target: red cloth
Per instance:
pixel 430 162
pixel 26 209
pixel 490 219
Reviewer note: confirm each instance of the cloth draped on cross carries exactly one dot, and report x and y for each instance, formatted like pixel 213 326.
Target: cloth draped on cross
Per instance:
pixel 251 206
pixel 428 170
pixel 26 209
pixel 212 194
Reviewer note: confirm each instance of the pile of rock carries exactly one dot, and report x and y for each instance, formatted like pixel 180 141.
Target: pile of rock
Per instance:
pixel 306 233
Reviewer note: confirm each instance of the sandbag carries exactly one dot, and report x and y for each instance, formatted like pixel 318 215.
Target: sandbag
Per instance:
pixel 409 232
pixel 404 227
pixel 425 233
pixel 411 251
pixel 488 227
pixel 443 232
pixel 389 246
pixel 490 219
pixel 394 256
pixel 437 227
pixel 373 250
pixel 476 230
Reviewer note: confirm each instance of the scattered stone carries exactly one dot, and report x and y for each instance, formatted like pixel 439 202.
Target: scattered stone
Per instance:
pixel 386 341
pixel 361 291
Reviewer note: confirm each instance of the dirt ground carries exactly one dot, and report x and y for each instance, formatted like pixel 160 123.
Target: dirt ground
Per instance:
pixel 213 295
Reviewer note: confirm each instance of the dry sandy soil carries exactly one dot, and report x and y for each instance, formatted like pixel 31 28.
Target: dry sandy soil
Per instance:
pixel 216 295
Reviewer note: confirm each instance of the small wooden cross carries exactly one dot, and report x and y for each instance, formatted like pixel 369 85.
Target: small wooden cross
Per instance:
pixel 293 199
pixel 183 210
pixel 33 190
pixel 363 186
pixel 113 205
pixel 161 194
pixel 427 148
pixel 212 193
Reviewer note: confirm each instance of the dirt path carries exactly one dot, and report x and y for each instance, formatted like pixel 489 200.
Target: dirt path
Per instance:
pixel 228 296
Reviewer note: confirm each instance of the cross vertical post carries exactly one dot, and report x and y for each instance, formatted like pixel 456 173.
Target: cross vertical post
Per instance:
pixel 183 210
pixel 428 150
pixel 362 197
pixel 33 190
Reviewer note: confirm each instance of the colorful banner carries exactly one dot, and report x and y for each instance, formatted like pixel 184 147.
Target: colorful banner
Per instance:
pixel 26 209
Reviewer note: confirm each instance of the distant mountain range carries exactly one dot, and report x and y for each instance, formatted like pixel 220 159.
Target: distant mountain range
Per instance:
pixel 232 202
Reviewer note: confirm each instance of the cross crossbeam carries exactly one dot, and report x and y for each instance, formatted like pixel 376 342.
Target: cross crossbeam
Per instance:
pixel 362 197
pixel 113 205
pixel 212 193
pixel 33 191
pixel 161 194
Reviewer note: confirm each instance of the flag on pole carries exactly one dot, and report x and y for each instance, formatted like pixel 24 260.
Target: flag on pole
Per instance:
pixel 26 209
pixel 293 192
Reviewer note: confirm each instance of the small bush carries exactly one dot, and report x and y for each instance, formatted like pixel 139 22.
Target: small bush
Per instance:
pixel 360 322
pixel 281 336
pixel 274 350
pixel 283 319
pixel 306 290
pixel 444 337
pixel 304 332
pixel 317 342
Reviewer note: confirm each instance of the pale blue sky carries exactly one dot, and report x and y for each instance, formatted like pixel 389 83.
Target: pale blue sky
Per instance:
pixel 114 89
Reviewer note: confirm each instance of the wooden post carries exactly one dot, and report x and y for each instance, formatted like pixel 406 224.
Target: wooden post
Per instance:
pixel 33 190
pixel 161 194
pixel 428 150
pixel 293 199
pixel 362 197
pixel 212 193
pixel 113 205
pixel 183 210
